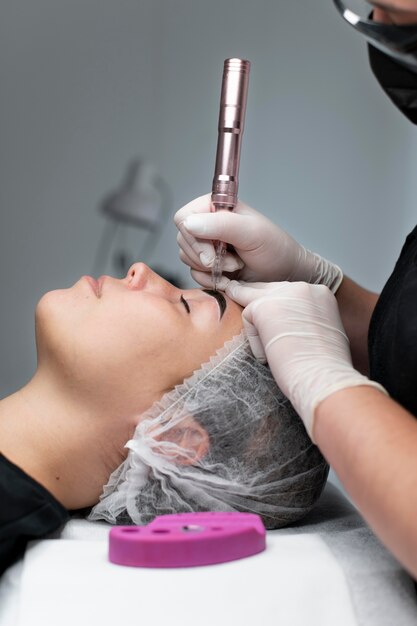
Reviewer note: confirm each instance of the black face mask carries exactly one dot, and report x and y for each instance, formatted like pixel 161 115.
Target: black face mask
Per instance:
pixel 398 82
pixel 392 54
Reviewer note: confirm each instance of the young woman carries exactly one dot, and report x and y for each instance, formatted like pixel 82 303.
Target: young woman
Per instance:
pixel 107 350
pixel 119 393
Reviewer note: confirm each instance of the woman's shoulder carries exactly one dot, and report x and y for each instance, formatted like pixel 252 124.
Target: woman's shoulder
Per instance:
pixel 28 511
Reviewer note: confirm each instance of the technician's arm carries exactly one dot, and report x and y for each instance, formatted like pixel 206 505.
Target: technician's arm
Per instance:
pixel 356 306
pixel 371 443
pixel 367 438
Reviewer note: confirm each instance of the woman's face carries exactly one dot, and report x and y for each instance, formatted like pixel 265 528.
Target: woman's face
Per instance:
pixel 125 342
pixel 396 5
pixel 395 11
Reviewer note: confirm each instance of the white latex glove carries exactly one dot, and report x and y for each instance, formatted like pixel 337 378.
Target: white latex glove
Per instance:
pixel 297 328
pixel 263 251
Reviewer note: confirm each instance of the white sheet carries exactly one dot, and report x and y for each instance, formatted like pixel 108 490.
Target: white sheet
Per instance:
pixel 10 585
pixel 330 568
pixel 295 582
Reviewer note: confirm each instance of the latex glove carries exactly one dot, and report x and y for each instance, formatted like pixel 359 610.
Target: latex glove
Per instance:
pixel 297 328
pixel 263 251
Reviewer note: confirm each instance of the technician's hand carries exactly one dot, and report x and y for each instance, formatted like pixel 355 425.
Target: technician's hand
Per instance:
pixel 262 250
pixel 297 328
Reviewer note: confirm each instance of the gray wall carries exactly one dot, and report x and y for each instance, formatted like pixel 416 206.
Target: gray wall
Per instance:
pixel 87 84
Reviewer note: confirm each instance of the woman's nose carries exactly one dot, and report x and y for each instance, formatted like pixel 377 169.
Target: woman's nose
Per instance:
pixel 138 275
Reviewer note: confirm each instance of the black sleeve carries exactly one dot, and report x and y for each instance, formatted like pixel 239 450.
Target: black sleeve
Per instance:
pixel 27 511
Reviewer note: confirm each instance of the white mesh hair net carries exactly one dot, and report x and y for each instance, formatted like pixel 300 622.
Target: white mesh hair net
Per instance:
pixel 259 459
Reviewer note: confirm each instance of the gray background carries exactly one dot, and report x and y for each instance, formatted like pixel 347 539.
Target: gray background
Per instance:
pixel 88 84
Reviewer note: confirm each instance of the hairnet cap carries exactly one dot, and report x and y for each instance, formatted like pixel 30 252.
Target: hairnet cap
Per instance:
pixel 259 458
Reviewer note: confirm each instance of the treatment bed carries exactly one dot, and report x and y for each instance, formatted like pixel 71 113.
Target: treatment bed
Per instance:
pixel 329 570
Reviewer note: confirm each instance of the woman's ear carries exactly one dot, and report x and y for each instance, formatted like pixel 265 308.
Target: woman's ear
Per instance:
pixel 192 438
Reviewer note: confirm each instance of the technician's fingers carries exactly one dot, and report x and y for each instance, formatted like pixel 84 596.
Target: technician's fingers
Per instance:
pixel 190 262
pixel 230 262
pixel 202 204
pixel 205 280
pixel 256 285
pixel 230 227
pixel 241 231
pixel 253 336
pixel 244 293
pixel 201 248
pixel 198 205
pixel 189 253
pixel 202 278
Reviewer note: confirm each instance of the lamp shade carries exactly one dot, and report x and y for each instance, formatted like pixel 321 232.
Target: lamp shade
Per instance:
pixel 138 200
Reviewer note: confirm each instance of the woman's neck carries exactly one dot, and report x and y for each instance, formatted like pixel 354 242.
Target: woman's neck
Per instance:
pixel 69 447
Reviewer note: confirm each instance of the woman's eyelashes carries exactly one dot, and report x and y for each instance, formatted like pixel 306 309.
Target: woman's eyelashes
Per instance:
pixel 185 303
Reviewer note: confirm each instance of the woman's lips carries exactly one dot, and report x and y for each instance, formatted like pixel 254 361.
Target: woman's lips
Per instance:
pixel 93 283
pixel 96 285
pixel 100 282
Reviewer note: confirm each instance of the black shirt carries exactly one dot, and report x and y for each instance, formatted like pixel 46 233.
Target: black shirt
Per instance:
pixel 27 511
pixel 393 330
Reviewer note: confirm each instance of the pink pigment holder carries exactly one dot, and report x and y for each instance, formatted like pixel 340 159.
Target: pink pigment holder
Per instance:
pixel 188 540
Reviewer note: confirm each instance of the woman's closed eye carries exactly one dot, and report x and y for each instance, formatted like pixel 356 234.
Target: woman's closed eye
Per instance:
pixel 185 303
pixel 217 295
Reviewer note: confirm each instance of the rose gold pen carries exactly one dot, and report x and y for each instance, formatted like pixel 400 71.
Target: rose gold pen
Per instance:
pixel 231 124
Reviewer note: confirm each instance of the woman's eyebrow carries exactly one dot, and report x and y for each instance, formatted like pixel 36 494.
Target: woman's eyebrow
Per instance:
pixel 220 299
